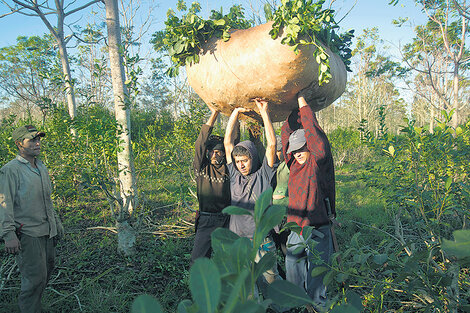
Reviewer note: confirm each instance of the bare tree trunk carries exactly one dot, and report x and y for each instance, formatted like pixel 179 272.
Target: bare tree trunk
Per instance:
pixel 64 59
pixel 431 119
pixel 126 234
pixel 455 91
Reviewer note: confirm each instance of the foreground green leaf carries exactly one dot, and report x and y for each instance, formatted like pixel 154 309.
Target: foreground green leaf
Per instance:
pixel 460 247
pixel 146 304
pixel 263 202
pixel 286 294
pixel 234 210
pixel 205 284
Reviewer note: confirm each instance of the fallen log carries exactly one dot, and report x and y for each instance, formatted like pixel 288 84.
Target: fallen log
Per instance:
pixel 251 64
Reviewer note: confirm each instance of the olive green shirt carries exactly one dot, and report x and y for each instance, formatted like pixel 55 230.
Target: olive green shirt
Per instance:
pixel 25 199
pixel 282 180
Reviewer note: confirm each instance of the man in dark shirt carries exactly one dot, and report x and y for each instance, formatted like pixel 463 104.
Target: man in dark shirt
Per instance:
pixel 213 187
pixel 249 176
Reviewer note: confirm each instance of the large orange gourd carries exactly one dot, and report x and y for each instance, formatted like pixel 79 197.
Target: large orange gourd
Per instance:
pixel 252 64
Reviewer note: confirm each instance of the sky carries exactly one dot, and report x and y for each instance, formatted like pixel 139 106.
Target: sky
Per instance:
pixel 363 14
pixel 358 15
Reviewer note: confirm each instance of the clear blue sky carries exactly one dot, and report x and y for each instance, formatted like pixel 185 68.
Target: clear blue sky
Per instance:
pixel 366 14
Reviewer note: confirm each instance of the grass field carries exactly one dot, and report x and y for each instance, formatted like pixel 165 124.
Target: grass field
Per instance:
pixel 92 277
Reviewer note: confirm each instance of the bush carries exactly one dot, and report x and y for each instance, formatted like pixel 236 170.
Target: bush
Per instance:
pixel 8 149
pixel 347 147
pixel 425 181
pixel 79 163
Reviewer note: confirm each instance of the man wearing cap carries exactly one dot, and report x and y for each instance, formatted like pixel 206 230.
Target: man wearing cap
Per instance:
pixel 311 198
pixel 213 187
pixel 28 223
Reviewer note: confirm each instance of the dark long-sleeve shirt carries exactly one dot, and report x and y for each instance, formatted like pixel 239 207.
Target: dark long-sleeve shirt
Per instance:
pixel 314 181
pixel 213 181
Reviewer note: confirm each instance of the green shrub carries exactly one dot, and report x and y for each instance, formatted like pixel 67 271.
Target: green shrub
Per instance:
pixel 424 178
pixel 347 147
pixel 77 164
pixel 8 149
pixel 226 283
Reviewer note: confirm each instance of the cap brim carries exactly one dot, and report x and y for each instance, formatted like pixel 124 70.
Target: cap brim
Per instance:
pixel 294 147
pixel 38 134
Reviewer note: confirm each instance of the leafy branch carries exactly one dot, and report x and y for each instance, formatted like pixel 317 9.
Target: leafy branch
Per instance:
pixel 301 22
pixel 183 37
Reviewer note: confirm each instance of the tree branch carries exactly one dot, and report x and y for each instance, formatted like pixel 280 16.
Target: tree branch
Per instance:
pixel 24 5
pixel 462 11
pixel 12 10
pixel 82 7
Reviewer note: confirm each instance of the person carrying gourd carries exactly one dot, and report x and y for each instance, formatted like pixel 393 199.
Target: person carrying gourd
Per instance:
pixel 311 188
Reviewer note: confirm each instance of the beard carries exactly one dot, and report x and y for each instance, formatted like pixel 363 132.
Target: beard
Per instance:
pixel 217 161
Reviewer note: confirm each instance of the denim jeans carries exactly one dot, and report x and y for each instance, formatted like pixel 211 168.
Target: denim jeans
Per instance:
pixel 299 264
pixel 268 277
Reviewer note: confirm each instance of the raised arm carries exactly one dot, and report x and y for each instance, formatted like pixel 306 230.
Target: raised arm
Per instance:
pixel 211 121
pixel 231 133
pixel 314 133
pixel 291 124
pixel 201 141
pixel 286 131
pixel 269 130
pixel 301 100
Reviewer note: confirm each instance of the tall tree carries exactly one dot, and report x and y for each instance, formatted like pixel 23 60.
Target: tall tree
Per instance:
pixel 126 234
pixel 92 65
pixel 430 84
pixel 449 21
pixel 43 10
pixel 371 87
pixel 29 73
pixel 454 31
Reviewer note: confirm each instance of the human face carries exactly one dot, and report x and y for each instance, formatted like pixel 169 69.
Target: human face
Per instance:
pixel 243 164
pixel 301 155
pixel 29 148
pixel 216 156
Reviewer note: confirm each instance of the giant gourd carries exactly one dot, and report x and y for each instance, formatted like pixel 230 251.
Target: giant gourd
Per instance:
pixel 251 64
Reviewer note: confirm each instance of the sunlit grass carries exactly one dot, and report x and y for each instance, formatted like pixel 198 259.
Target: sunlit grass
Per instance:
pixel 92 277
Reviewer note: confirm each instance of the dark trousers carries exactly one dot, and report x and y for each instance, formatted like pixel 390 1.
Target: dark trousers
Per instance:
pixel 206 223
pixel 35 262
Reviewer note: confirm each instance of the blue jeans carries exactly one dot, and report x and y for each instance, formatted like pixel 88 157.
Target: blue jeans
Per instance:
pixel 299 264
